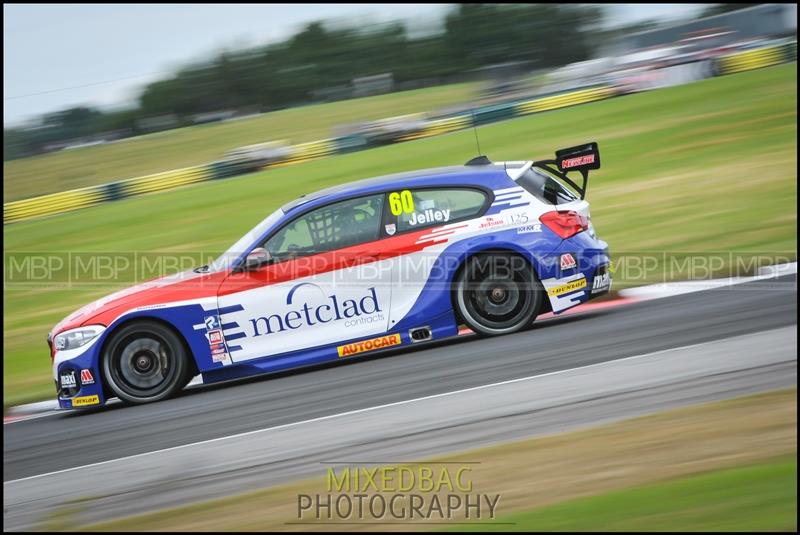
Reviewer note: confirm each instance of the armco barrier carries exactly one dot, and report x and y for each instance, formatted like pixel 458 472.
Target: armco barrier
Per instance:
pixel 491 114
pixel 437 127
pixel 309 151
pixel 349 143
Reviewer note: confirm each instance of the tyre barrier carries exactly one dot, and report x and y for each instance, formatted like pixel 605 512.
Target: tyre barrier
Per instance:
pixel 166 180
pixel 565 99
pixel 68 201
pixel 754 59
pixel 225 169
pixel 790 52
pixel 56 203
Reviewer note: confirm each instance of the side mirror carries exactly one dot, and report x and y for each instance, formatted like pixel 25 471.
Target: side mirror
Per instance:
pixel 257 258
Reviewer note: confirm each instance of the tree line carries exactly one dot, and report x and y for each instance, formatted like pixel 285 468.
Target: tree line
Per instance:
pixel 321 56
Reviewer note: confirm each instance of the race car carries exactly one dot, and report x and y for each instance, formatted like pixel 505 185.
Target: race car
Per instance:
pixel 352 271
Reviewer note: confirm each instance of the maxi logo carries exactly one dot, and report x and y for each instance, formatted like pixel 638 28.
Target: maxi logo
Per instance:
pixel 601 283
pixel 68 380
pixel 316 311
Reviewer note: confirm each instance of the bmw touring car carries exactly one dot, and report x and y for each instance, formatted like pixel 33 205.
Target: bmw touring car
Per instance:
pixel 354 270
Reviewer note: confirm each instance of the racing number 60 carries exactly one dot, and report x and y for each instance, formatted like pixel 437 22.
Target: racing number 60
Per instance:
pixel 401 202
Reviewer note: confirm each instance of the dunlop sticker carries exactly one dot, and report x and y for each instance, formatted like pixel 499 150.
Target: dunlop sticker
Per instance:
pixel 85 400
pixel 568 287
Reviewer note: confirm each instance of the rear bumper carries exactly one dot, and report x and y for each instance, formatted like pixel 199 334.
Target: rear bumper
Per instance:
pixel 601 281
pixel 577 271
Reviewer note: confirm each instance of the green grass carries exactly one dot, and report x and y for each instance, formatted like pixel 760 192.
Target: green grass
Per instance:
pixel 696 462
pixel 200 144
pixel 760 497
pixel 705 167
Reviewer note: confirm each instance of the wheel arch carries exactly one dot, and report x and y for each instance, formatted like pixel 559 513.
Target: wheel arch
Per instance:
pixel 493 249
pixel 138 319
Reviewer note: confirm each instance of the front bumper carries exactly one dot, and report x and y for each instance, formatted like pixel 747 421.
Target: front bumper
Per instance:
pixel 77 376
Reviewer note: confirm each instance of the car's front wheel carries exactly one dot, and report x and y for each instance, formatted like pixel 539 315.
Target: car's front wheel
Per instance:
pixel 497 293
pixel 145 361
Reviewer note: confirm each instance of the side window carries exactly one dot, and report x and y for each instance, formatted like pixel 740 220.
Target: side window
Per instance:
pixel 330 227
pixel 544 187
pixel 431 207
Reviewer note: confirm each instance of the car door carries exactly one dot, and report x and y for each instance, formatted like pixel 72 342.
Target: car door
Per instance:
pixel 420 224
pixel 326 284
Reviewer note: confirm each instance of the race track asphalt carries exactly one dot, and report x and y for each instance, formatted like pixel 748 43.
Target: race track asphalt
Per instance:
pixel 65 441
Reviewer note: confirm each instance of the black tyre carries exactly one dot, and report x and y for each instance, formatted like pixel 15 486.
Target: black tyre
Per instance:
pixel 497 294
pixel 144 362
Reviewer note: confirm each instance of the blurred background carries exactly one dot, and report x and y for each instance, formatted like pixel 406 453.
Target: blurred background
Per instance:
pixel 472 49
pixel 124 123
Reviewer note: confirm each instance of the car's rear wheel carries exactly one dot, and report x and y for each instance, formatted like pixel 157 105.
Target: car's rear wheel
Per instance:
pixel 145 361
pixel 497 293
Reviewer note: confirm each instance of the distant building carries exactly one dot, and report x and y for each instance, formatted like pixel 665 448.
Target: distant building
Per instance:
pixel 160 122
pixel 331 94
pixel 373 85
pixel 212 116
pixel 762 21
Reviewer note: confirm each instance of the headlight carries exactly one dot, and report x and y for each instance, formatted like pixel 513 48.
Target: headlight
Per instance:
pixel 77 337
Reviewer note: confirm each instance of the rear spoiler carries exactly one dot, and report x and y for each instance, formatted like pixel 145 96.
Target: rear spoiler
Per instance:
pixel 583 159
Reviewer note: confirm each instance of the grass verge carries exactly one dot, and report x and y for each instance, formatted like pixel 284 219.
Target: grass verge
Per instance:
pixel 708 167
pixel 183 147
pixel 757 497
pixel 666 454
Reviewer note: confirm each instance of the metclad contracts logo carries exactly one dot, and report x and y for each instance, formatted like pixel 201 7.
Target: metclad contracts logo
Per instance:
pixel 317 308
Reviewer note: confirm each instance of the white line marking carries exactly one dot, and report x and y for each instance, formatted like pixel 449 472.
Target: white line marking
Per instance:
pixel 377 407
pixel 669 289
pixel 53 411
pixel 14 419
